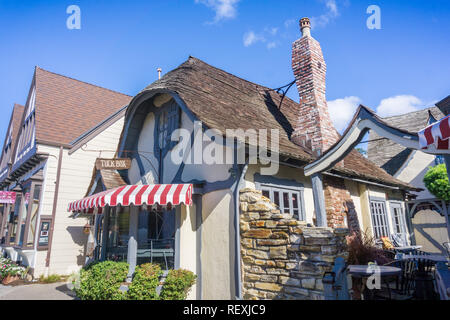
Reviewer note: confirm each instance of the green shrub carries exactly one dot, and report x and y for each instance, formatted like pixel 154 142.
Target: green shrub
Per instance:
pixel 178 284
pixel 101 281
pixel 145 281
pixel 436 181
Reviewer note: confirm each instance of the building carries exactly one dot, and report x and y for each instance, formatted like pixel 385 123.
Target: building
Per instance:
pixel 425 212
pixel 182 132
pixel 47 159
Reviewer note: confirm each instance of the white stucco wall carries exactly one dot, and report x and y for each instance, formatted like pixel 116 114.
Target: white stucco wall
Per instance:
pixel 217 245
pixel 414 170
pixel 188 243
pixel 430 230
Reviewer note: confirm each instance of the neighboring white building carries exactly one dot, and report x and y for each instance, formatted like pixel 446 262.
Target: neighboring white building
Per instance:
pixel 65 126
pixel 426 214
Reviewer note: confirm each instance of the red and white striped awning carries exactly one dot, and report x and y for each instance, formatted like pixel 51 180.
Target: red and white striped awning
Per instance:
pixel 137 195
pixel 437 133
pixel 7 197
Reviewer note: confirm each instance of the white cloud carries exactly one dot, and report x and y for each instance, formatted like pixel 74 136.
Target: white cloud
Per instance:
pixel 268 36
pixel 288 23
pixel 400 104
pixel 271 45
pixel 331 13
pixel 224 9
pixel 273 31
pixel 332 7
pixel 342 111
pixel 252 38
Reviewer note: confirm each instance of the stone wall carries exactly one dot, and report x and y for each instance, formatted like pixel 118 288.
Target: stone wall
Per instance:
pixel 281 257
pixel 339 205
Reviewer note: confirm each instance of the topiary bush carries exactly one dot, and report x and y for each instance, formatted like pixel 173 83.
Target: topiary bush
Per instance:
pixel 436 181
pixel 101 281
pixel 145 281
pixel 177 285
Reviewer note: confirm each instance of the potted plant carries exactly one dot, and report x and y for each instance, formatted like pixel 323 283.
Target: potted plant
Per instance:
pixel 362 251
pixel 9 272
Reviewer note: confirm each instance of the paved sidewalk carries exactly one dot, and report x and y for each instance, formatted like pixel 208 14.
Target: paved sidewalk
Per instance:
pixel 53 291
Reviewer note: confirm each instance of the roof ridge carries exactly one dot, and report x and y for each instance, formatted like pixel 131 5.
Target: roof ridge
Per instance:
pixel 90 84
pixel 409 113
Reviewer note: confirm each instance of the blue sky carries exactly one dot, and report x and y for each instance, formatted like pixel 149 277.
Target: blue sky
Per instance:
pixel 401 67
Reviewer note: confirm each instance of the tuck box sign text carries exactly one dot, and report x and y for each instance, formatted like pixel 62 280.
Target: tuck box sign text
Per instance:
pixel 113 164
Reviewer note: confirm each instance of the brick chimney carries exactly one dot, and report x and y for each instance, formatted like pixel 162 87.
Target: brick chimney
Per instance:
pixel 313 123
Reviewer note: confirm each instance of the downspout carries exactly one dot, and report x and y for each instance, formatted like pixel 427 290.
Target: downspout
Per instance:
pixel 55 202
pixel 238 279
pixel 445 208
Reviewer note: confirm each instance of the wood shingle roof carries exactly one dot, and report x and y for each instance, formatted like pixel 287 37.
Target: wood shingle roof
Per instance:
pixel 389 155
pixel 224 101
pixel 66 108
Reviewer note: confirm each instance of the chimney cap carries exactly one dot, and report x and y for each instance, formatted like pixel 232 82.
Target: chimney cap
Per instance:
pixel 305 26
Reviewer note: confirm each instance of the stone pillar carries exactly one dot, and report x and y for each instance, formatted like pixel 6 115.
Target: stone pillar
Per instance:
pixel 132 242
pixel 319 201
pixel 282 258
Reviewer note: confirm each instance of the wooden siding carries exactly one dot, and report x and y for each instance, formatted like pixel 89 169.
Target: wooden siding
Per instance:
pixel 68 238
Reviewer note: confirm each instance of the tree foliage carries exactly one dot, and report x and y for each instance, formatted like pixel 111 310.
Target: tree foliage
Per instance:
pixel 436 181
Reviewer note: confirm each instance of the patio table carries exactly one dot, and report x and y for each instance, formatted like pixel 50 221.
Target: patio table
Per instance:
pixel 406 249
pixel 432 257
pixel 365 271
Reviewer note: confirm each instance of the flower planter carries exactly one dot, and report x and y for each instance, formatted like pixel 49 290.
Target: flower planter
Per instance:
pixel 8 279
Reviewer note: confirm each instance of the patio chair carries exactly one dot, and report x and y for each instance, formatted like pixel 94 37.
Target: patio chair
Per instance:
pixel 404 285
pixel 397 240
pixel 424 278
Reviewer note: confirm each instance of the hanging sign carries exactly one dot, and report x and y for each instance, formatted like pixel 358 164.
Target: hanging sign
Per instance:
pixel 113 164
pixel 7 197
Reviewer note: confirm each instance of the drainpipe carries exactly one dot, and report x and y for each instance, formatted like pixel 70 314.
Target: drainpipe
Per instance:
pixel 445 208
pixel 238 235
pixel 55 202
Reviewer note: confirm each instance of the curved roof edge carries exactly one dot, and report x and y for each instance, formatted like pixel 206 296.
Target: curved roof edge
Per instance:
pixel 363 121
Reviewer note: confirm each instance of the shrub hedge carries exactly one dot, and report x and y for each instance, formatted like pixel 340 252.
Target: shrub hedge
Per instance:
pixel 101 281
pixel 178 284
pixel 145 281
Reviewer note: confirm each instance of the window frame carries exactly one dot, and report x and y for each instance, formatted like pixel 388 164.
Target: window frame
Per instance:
pixel 379 219
pixel 273 184
pixel 403 225
pixel 32 184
